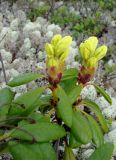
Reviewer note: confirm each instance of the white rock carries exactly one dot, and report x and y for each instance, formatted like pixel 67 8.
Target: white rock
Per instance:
pixel 1 17
pixel 41 55
pixel 110 111
pixel 113 126
pixel 54 28
pixel 113 23
pixel 21 15
pixel 1 26
pixel 6 64
pixel 49 34
pixel 10 74
pixel 41 21
pixel 86 154
pixel 75 65
pixel 89 92
pixel 27 43
pixel 73 44
pixel 41 65
pixel 37 34
pixel 30 26
pixel 20 89
pixel 10 16
pixel 111 63
pixel 102 102
pixel 14 24
pixel 35 37
pixel 6 55
pixel 17 62
pixel 14 36
pixel 112 135
pixel 41 3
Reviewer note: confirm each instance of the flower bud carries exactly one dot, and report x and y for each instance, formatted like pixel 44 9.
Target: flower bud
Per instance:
pixel 92 62
pixel 56 39
pixel 85 53
pixel 100 52
pixel 52 62
pixel 63 44
pixel 64 55
pixel 49 50
pixel 91 44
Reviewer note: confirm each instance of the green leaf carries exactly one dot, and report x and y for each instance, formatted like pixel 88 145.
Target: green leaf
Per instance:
pixel 64 107
pixel 24 79
pixel 80 128
pixel 38 117
pixel 6 96
pixel 96 131
pixel 103 93
pixel 69 79
pixel 42 151
pixel 75 92
pixel 103 153
pixel 29 99
pixel 4 112
pixel 69 74
pixel 95 108
pixel 68 154
pixel 73 143
pixel 41 132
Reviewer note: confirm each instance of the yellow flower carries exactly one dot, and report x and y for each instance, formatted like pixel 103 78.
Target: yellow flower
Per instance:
pixel 57 51
pixel 88 47
pixel 90 53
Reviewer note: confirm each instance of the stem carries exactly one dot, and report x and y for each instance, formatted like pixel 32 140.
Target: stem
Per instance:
pixel 3 68
pixel 57 148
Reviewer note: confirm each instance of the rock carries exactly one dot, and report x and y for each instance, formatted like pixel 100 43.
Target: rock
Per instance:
pixel 49 34
pixel 14 24
pixel 89 92
pixel 6 55
pixel 110 111
pixel 86 154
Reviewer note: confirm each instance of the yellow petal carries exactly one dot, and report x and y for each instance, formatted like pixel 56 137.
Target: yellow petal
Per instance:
pixel 92 62
pixel 52 62
pixel 56 39
pixel 85 53
pixel 49 50
pixel 67 40
pixel 63 45
pixel 91 44
pixel 100 52
pixel 64 55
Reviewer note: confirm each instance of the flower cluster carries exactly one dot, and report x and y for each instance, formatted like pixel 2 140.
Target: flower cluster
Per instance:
pixel 90 53
pixel 57 51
